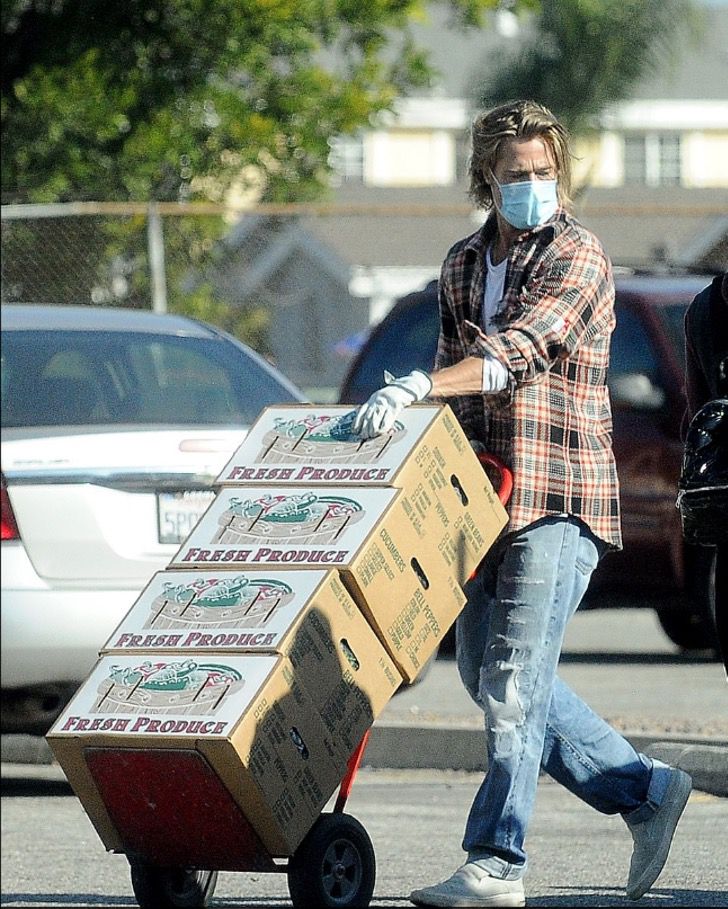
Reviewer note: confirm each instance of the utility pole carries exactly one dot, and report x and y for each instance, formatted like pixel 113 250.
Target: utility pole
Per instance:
pixel 155 241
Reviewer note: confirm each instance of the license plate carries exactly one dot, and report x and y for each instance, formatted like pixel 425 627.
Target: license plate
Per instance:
pixel 178 512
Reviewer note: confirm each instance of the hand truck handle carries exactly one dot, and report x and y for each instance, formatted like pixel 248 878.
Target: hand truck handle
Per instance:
pixel 351 770
pixel 505 475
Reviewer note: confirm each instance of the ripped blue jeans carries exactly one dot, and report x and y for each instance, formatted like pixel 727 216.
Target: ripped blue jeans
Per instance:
pixel 509 638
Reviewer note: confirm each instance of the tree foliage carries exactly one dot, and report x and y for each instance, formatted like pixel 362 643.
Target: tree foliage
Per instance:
pixel 175 99
pixel 180 100
pixel 582 55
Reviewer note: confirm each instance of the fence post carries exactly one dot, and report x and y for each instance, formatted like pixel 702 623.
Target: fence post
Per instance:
pixel 155 242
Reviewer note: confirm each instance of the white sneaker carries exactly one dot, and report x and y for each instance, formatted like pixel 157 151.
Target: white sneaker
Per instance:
pixel 653 837
pixel 471 886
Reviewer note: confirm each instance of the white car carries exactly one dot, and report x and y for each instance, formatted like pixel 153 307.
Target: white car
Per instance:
pixel 115 424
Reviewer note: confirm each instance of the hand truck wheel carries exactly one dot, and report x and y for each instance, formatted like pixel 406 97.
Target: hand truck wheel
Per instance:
pixel 171 888
pixel 334 867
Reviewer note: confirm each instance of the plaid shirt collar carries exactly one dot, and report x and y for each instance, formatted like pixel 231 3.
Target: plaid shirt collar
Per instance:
pixel 522 251
pixel 478 242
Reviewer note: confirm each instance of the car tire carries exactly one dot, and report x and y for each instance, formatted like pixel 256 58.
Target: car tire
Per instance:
pixel 334 866
pixel 171 888
pixel 691 624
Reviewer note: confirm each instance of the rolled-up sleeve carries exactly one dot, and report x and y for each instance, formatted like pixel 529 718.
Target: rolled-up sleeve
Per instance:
pixel 565 303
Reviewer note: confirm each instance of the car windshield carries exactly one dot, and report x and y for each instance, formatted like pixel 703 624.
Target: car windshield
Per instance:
pixel 410 342
pixel 57 378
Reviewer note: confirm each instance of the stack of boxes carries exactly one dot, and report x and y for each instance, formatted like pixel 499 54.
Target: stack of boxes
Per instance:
pixel 325 572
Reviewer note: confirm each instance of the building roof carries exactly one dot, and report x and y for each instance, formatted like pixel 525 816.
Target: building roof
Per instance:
pixel 413 228
pixel 642 226
pixel 701 72
pixel 395 227
pixel 460 57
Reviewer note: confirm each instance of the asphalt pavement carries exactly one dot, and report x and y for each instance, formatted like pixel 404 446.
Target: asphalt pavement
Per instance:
pixel 671 707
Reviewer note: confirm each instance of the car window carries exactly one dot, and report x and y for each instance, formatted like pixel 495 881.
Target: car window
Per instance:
pixel 632 350
pixel 90 378
pixel 673 320
pixel 407 341
pixel 634 371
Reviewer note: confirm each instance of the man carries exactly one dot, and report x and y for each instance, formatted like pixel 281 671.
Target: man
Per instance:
pixel 526 314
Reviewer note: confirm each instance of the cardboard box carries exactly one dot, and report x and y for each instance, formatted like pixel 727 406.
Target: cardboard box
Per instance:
pixel 246 716
pixel 446 490
pixel 246 674
pixel 307 444
pixel 322 526
pixel 307 616
pixel 403 583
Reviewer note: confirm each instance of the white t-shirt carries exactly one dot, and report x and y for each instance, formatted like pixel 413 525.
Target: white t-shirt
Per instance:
pixel 495 375
pixel 495 278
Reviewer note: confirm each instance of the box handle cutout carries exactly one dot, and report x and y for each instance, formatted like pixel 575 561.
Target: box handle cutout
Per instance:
pixel 418 570
pixel 459 489
pixel 351 657
pixel 301 746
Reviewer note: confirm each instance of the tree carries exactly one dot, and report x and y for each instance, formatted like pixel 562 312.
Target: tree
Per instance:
pixel 178 100
pixel 175 99
pixel 582 55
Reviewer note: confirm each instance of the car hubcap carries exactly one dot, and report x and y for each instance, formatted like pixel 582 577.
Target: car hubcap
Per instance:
pixel 341 870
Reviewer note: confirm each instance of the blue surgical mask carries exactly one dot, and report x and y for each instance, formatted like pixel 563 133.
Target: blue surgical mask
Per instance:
pixel 529 203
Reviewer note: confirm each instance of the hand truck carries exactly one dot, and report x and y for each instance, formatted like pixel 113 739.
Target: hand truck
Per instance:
pixel 333 867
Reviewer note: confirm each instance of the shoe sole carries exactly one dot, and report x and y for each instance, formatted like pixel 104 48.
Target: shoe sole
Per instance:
pixel 461 902
pixel 679 796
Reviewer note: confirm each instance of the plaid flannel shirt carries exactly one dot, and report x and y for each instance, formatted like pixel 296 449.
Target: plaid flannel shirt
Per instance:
pixel 553 425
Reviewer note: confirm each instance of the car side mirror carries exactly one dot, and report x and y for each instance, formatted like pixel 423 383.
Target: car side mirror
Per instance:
pixel 637 391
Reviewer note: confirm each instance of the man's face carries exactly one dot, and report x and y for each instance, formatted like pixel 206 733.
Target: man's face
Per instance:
pixel 520 160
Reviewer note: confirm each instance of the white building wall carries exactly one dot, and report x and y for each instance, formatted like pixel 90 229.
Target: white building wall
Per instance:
pixel 667 116
pixel 610 171
pixel 705 159
pixel 383 286
pixel 416 144
pixel 409 158
pixel 599 160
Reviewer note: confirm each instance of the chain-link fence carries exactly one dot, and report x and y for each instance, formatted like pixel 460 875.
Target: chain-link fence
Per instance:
pixel 301 284
pixel 288 280
pixel 107 254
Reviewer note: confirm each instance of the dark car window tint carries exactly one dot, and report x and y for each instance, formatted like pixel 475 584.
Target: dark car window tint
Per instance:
pixel 632 350
pixel 409 342
pixel 634 373
pixel 673 319
pixel 92 378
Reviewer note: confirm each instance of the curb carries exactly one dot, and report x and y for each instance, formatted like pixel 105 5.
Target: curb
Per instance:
pixel 399 746
pixel 706 764
pixel 25 749
pixel 395 746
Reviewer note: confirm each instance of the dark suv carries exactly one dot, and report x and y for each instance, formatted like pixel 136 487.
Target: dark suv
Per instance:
pixel 646 381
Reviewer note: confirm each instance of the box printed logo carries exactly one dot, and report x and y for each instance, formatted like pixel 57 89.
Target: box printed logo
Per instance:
pixel 305 518
pixel 213 602
pixel 182 687
pixel 323 439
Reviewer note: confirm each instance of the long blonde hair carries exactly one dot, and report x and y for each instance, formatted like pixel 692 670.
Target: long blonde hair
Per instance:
pixel 522 120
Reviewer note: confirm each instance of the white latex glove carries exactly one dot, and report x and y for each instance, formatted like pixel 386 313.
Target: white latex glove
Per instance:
pixel 384 406
pixel 495 375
